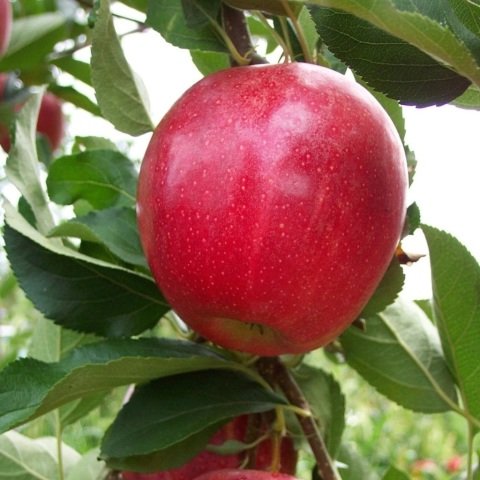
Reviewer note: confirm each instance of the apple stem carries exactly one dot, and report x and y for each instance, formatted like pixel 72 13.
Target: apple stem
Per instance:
pixel 235 26
pixel 279 431
pixel 277 374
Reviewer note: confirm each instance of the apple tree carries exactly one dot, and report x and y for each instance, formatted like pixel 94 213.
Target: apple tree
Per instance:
pixel 148 280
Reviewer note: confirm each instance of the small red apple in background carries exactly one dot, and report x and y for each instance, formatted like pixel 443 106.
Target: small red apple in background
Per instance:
pixel 5 25
pixel 262 455
pixel 243 475
pixel 424 465
pixel 270 202
pixel 454 464
pixel 51 122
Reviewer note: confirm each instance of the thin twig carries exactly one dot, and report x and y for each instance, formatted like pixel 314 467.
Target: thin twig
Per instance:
pixel 275 372
pixel 235 26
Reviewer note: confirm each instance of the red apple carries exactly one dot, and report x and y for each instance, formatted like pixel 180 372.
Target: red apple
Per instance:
pixel 288 456
pixel 50 123
pixel 243 475
pixel 5 25
pixel 270 202
pixel 424 465
pixel 454 464
pixel 207 461
pixel 203 462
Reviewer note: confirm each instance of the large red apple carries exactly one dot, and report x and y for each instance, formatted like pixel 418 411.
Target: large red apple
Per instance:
pixel 270 202
pixel 5 24
pixel 50 123
pixel 244 475
pixel 207 460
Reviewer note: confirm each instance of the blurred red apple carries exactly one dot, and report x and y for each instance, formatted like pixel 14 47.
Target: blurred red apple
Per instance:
pixel 270 202
pixel 5 25
pixel 50 123
pixel 454 464
pixel 424 465
pixel 243 475
pixel 206 461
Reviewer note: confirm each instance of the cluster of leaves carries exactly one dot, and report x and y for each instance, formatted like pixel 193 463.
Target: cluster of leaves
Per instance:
pixel 87 275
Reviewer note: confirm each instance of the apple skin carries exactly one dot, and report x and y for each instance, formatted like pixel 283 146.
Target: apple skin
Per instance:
pixel 201 463
pixel 6 20
pixel 271 199
pixel 50 123
pixel 206 461
pixel 243 475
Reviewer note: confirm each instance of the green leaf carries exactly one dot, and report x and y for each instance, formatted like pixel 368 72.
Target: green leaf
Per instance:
pixel 88 468
pixel 387 291
pixel 229 447
pixel 400 355
pixel 427 307
pixel 326 401
pixel 104 178
pixel 461 16
pixel 24 458
pixel 70 94
pixel 209 62
pixel 352 465
pixel 74 411
pixel 259 30
pixel 198 13
pixel 84 296
pixel 78 69
pixel 50 343
pixel 387 63
pixel 120 93
pixel 167 18
pixel 92 143
pixel 309 30
pixel 426 34
pixel 456 302
pixel 33 38
pixel 170 411
pixel 140 5
pixel 394 110
pixel 468 12
pixel 23 169
pixel 414 218
pixel 290 37
pixel 30 388
pixel 394 474
pixel 470 100
pixel 116 228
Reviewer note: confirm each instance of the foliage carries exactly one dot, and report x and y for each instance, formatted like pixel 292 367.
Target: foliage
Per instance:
pixel 99 324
